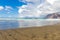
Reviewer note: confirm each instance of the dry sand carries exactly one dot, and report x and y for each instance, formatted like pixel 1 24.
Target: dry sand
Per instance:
pixel 37 33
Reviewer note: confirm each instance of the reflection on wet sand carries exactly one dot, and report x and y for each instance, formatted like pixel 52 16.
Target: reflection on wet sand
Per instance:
pixel 8 24
pixel 30 23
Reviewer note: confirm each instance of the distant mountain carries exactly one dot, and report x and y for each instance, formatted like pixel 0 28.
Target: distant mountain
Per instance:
pixel 53 16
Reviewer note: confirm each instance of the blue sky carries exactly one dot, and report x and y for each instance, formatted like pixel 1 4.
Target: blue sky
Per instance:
pixel 12 3
pixel 24 8
pixel 16 8
pixel 8 8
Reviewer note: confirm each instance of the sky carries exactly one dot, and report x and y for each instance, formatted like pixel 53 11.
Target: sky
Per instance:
pixel 26 8
pixel 31 9
pixel 15 8
pixel 12 3
pixel 39 8
pixel 9 8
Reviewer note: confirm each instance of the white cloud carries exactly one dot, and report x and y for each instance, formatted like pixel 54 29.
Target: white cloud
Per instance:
pixel 1 7
pixel 8 11
pixel 22 8
pixel 56 4
pixel 8 8
pixel 30 10
pixel 51 1
pixel 33 1
pixel 34 8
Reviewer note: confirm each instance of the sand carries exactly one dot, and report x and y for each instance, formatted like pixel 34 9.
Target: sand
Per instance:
pixel 33 33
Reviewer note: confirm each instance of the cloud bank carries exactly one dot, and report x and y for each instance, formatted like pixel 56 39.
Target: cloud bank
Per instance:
pixel 35 8
pixel 31 9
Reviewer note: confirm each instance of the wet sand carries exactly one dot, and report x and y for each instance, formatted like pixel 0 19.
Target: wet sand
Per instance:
pixel 33 33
